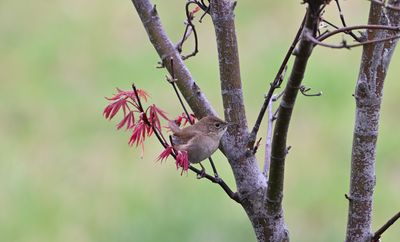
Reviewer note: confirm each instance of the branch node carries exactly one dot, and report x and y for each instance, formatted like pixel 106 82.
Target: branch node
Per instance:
pixel 287 150
pixel 249 152
pixel 154 11
pixel 170 79
pixel 304 90
pixel 295 52
pixel 234 4
pixel 160 65
pixel 256 146
pixel 363 36
pixel 344 44
pixel 348 197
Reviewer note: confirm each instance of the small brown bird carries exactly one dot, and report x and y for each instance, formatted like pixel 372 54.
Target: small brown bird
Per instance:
pixel 199 140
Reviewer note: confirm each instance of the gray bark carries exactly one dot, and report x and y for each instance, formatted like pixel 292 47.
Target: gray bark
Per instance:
pixel 262 202
pixel 368 95
pixel 166 50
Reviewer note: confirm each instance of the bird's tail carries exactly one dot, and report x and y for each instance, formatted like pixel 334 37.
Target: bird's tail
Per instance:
pixel 173 126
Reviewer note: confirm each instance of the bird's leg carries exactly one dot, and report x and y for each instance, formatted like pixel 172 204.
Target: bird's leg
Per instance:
pixel 202 172
pixel 213 167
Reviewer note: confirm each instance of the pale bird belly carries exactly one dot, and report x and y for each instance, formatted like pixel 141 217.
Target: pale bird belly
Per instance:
pixel 202 152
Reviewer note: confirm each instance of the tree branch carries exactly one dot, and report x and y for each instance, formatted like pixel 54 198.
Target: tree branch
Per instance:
pixel 350 28
pixel 172 81
pixel 268 139
pixel 279 148
pixel 166 50
pixel 231 86
pixel 387 225
pixel 344 22
pixel 344 44
pixel 250 181
pixel 189 18
pixel 233 195
pixel 368 95
pixel 172 60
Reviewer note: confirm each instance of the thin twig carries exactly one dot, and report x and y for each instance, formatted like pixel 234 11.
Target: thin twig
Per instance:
pixel 186 112
pixel 387 225
pixel 157 132
pixel 166 49
pixel 189 18
pixel 188 31
pixel 275 84
pixel 346 29
pixel 163 142
pixel 205 8
pixel 172 81
pixel 268 140
pixel 218 180
pixel 344 45
pixel 344 22
pixel 176 90
pixel 329 23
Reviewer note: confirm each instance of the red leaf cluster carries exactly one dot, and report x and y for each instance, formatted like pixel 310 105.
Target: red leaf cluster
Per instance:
pixel 145 122
pixel 182 161
pixel 183 118
pixel 130 104
pixel 165 154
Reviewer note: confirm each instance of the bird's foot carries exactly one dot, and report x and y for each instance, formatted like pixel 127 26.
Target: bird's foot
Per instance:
pixel 202 173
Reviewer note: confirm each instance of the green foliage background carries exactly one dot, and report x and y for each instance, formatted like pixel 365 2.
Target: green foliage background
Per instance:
pixel 67 175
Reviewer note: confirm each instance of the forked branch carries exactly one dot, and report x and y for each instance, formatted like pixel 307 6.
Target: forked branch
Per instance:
pixel 172 81
pixel 279 146
pixel 184 80
pixel 233 195
pixel 166 50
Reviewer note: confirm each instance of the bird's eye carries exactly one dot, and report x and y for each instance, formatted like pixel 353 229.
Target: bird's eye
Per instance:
pixel 217 125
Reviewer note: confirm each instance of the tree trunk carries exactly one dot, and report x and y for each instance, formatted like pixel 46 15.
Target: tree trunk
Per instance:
pixel 368 95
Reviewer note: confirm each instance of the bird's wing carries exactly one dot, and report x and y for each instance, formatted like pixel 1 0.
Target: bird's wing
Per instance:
pixel 184 137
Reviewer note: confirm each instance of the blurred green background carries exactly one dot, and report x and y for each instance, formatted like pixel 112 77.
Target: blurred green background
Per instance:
pixel 67 175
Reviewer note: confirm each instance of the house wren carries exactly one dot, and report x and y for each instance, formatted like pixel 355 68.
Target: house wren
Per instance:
pixel 199 140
